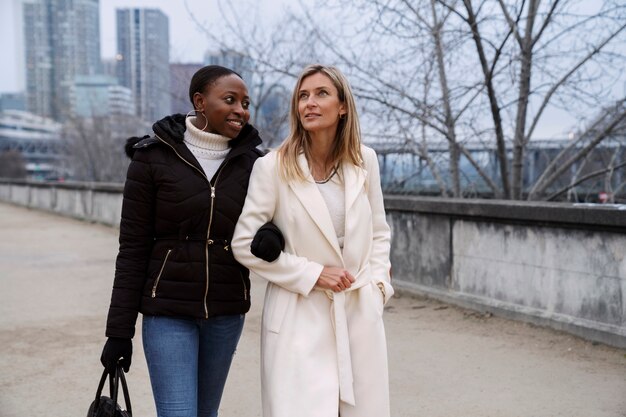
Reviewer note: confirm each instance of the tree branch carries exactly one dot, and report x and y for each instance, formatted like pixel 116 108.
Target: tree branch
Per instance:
pixel 565 77
pixel 546 179
pixel 512 23
pixel 583 179
pixel 545 22
pixel 493 100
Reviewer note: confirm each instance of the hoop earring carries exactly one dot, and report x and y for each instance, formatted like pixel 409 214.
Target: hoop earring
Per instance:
pixel 342 116
pixel 196 114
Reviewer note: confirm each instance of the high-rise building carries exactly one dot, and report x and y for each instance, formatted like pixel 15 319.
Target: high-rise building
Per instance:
pixel 38 57
pixel 61 41
pixel 236 61
pixel 109 67
pixel 180 77
pixel 143 60
pixel 100 95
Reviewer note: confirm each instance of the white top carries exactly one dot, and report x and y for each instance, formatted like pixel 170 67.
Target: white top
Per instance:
pixel 209 149
pixel 334 195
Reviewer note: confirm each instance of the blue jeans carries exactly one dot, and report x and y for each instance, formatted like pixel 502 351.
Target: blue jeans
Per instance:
pixel 188 361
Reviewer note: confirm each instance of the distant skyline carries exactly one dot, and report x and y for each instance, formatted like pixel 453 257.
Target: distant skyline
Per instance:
pixel 187 42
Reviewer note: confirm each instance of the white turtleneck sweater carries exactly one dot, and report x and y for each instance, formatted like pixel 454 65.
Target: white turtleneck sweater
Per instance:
pixel 209 149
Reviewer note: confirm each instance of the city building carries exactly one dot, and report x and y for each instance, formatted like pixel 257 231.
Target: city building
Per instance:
pixel 61 41
pixel 143 60
pixel 270 115
pixel 236 61
pixel 100 95
pixel 12 101
pixel 180 77
pixel 109 67
pixel 37 140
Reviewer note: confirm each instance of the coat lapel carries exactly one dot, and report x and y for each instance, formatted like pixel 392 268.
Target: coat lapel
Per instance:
pixel 353 179
pixel 313 202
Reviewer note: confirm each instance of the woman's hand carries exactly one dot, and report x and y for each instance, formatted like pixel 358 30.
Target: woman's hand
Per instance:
pixel 336 279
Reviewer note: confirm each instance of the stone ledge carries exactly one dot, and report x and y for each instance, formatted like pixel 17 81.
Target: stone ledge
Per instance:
pixel 110 187
pixel 611 217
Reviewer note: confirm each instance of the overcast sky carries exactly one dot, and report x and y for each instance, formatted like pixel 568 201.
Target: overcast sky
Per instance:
pixel 187 43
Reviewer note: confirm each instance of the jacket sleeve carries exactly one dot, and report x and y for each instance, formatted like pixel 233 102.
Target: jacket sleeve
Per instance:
pixel 294 273
pixel 136 241
pixel 380 263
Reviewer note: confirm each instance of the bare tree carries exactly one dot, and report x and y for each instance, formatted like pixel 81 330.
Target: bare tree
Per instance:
pixel 511 60
pixel 610 121
pixel 95 146
pixel 476 75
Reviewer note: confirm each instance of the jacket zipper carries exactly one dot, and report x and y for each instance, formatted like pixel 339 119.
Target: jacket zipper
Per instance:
pixel 209 241
pixel 158 278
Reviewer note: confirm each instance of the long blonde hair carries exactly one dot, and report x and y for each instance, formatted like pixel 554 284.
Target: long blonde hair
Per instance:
pixel 347 144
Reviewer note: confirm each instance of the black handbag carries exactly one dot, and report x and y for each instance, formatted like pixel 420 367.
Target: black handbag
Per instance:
pixel 104 406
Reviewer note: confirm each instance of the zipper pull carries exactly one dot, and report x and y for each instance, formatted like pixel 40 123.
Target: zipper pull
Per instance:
pixel 212 192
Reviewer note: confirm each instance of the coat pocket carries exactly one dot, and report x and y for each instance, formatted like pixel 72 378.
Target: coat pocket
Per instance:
pixel 278 301
pixel 379 298
pixel 372 302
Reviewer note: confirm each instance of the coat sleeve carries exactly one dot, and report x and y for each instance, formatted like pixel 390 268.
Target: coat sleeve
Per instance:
pixel 380 263
pixel 136 241
pixel 294 273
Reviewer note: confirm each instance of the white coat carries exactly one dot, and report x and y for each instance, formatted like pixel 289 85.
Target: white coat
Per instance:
pixel 321 352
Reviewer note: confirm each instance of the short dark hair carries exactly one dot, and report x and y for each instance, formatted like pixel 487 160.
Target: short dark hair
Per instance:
pixel 206 76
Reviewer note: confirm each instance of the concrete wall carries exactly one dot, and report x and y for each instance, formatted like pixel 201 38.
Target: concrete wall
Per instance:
pixel 97 202
pixel 559 265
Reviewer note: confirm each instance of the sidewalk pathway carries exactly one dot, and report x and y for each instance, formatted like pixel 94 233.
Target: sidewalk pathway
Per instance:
pixel 55 281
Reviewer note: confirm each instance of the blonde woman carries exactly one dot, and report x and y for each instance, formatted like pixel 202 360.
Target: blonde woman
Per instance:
pixel 323 348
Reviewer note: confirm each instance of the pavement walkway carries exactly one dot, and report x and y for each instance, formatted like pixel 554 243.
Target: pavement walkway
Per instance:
pixel 55 282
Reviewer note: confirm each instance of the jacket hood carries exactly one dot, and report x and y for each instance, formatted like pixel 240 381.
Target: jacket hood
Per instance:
pixel 171 127
pixel 129 147
pixel 172 130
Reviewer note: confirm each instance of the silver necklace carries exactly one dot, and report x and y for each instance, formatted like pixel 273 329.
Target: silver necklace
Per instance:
pixel 325 180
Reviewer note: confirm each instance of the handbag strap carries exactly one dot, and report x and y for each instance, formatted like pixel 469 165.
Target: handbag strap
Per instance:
pixel 103 378
pixel 120 374
pixel 114 388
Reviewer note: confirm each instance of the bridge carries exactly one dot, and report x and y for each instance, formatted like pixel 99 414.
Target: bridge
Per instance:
pixel 404 169
pixel 36 139
pixel 464 270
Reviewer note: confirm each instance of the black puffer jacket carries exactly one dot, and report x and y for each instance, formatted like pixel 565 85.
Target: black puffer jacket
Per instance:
pixel 174 257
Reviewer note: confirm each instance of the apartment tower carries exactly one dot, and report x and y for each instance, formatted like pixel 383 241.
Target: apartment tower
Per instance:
pixel 143 60
pixel 61 41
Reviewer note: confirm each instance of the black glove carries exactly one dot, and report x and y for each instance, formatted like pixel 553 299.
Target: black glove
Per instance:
pixel 117 349
pixel 268 242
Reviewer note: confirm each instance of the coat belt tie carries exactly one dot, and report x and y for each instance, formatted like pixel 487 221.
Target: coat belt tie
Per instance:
pixel 342 338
